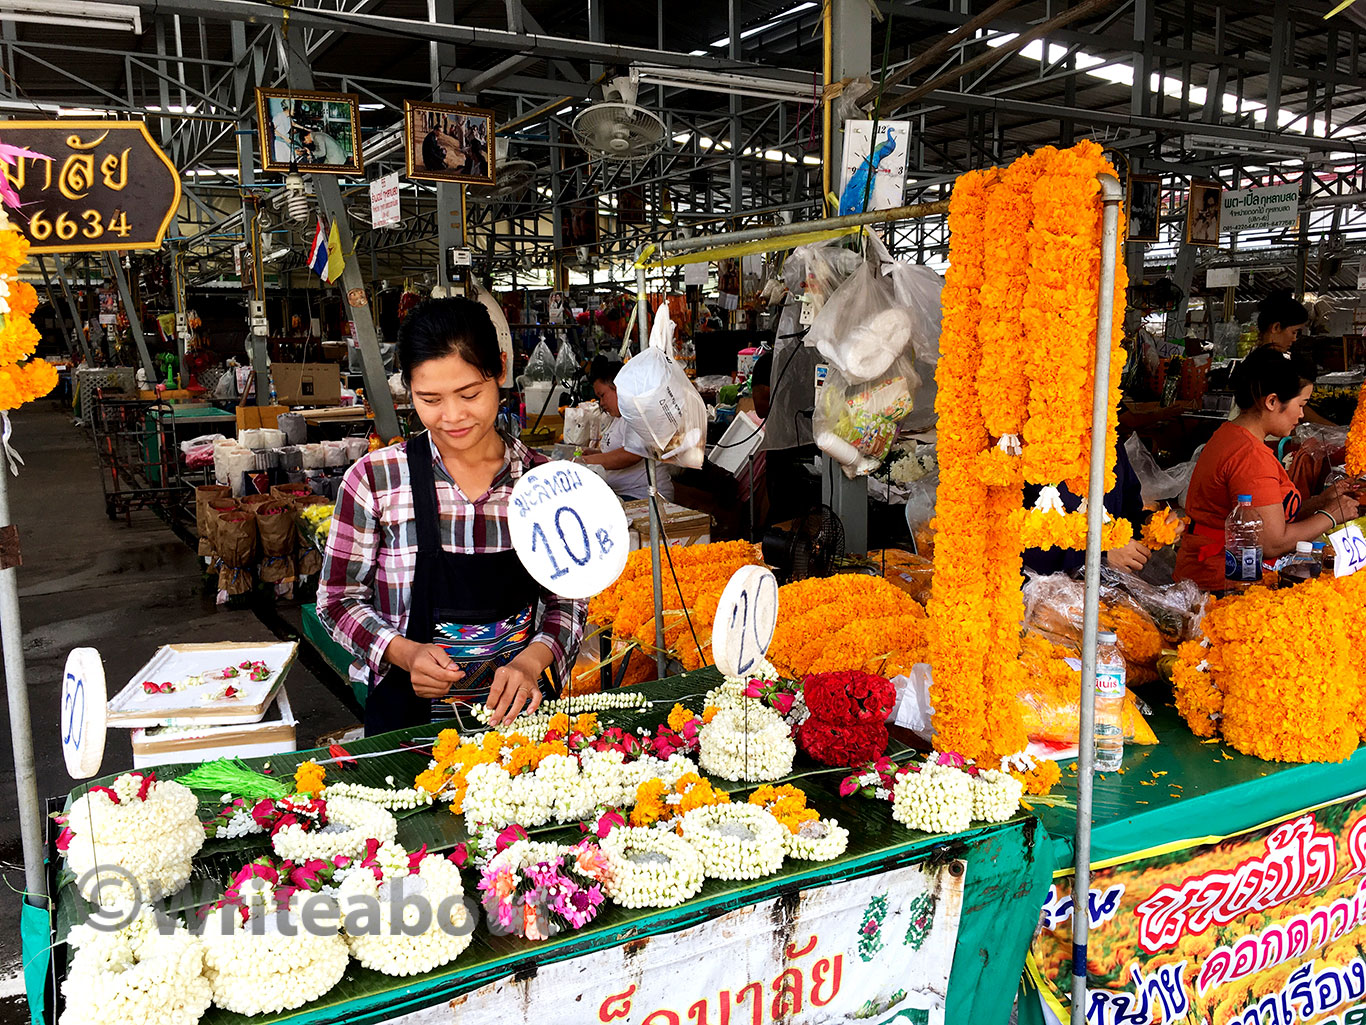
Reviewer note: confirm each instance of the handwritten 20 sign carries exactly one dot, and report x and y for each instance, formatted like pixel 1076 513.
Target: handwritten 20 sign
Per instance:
pixel 746 616
pixel 568 528
pixel 1350 548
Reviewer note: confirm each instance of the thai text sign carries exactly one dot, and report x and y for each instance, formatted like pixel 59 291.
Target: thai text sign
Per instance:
pixel 1255 928
pixel 1277 206
pixel 105 185
pixel 384 202
pixel 878 949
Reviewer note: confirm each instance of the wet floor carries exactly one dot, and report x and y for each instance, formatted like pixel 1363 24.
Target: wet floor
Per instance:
pixel 122 589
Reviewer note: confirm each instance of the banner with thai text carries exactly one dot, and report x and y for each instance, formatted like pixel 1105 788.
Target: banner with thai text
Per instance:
pixel 1262 928
pixel 879 949
pixel 1276 206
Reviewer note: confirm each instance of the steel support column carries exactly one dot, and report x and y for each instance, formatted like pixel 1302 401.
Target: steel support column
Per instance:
pixel 76 338
pixel 115 262
pixel 251 223
pixel 450 196
pixel 75 311
pixel 330 201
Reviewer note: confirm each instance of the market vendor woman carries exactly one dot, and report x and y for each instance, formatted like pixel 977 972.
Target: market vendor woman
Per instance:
pixel 1271 388
pixel 419 579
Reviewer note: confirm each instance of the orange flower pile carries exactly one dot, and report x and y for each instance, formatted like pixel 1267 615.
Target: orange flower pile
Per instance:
pixel 455 758
pixel 787 804
pixel 1280 674
pixel 1164 526
pixel 1040 779
pixel 653 802
pixel 23 377
pixel 308 778
pixel 1356 437
pixel 848 621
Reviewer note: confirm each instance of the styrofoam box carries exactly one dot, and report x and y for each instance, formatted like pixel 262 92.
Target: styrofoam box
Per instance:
pixel 273 735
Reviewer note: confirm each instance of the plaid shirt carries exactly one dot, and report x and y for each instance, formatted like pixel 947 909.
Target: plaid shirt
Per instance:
pixel 371 556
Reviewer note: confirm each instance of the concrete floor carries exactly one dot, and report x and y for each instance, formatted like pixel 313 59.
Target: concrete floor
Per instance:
pixel 124 590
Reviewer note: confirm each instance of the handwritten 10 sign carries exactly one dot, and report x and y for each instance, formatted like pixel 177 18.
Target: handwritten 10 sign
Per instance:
pixel 568 528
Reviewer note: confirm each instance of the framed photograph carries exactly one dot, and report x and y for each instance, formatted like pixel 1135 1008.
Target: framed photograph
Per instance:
pixel 315 133
pixel 579 224
pixel 1203 211
pixel 1145 204
pixel 447 143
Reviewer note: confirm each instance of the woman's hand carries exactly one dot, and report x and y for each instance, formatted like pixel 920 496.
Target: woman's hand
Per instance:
pixel 1342 508
pixel 1129 559
pixel 514 689
pixel 427 665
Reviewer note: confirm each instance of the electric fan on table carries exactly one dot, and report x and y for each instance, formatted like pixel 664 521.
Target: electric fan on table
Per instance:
pixel 617 128
pixel 812 548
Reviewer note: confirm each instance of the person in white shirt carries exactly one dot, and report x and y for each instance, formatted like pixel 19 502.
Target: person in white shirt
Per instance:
pixel 622 451
pixel 282 138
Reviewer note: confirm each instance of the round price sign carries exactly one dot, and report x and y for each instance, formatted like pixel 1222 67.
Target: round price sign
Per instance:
pixel 568 528
pixel 83 716
pixel 745 618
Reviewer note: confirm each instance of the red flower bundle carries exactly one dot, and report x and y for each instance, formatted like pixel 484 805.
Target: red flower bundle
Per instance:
pixel 849 698
pixel 837 744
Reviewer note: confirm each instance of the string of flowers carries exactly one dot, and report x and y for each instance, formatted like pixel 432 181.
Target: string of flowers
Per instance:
pixel 1356 437
pixel 23 376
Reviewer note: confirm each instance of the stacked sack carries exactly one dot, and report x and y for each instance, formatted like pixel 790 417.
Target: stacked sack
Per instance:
pixel 847 724
pixel 255 537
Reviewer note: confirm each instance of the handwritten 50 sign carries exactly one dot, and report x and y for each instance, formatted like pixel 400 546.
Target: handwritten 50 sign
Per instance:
pixel 568 528
pixel 84 715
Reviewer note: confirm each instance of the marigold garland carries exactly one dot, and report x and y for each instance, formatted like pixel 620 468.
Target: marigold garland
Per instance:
pixel 22 379
pixel 308 778
pixel 785 803
pixel 1048 529
pixel 1356 437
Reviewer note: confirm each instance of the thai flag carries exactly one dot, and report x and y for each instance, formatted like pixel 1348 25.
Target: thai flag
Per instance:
pixel 317 253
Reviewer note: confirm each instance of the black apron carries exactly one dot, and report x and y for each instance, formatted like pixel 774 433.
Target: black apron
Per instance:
pixel 480 606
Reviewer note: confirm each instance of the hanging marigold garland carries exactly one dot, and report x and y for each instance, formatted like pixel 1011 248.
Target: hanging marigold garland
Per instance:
pixel 23 377
pixel 1356 438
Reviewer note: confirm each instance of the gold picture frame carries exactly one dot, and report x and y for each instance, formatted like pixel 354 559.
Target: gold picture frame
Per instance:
pixel 445 142
pixel 1204 212
pixel 309 132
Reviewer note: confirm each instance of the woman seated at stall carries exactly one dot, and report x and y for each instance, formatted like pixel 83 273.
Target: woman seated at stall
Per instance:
pixel 1270 388
pixel 419 580
pixel 622 451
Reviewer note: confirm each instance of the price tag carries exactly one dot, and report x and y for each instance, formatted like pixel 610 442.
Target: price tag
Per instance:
pixel 84 714
pixel 568 528
pixel 1350 546
pixel 745 618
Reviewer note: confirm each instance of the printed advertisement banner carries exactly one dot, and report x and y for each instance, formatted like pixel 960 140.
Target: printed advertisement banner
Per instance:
pixel 1262 928
pixel 1277 206
pixel 879 949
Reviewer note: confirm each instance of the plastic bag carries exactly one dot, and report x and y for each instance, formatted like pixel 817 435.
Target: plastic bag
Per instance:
pixel 566 363
pixel 1157 484
pixel 541 366
pixel 662 331
pixel 1175 609
pixel 855 424
pixel 661 406
pixel 1053 610
pixel 917 289
pixel 1050 699
pixel 861 330
pixel 920 501
pixel 818 270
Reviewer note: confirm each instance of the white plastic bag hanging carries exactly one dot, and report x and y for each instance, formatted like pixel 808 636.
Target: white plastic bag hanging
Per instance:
pixel 541 366
pixel 861 329
pixel 662 330
pixel 855 424
pixel 661 406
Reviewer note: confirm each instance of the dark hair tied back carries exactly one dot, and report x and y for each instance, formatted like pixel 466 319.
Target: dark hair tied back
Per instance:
pixel 1280 307
pixel 1269 371
pixel 442 327
pixel 603 369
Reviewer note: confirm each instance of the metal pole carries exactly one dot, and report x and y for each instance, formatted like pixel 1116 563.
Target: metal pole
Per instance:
pixel 1112 195
pixel 651 470
pixel 57 309
pixel 134 317
pixel 77 324
pixel 642 307
pixel 20 725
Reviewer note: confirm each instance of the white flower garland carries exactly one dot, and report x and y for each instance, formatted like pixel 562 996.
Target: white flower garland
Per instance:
pixel 260 967
pixel 135 975
pixel 437 883
pixel 937 799
pixel 751 744
pixel 735 841
pixel 817 840
pixel 410 797
pixel 603 701
pixel 995 795
pixel 153 840
pixel 563 788
pixel 361 821
pixel 651 868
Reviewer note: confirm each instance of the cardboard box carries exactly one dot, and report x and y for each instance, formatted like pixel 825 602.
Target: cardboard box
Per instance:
pixel 307 384
pixel 249 417
pixel 273 735
pixel 681 526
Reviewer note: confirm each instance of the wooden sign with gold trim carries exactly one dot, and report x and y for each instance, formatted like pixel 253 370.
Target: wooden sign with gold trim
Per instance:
pixel 105 185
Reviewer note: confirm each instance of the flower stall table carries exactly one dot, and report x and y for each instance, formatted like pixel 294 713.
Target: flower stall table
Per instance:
pixel 1292 837
pixel 956 910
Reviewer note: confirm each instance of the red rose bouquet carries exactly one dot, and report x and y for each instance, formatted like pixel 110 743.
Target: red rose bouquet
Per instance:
pixel 837 744
pixel 849 698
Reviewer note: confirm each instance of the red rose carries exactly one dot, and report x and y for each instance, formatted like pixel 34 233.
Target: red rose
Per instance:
pixel 835 744
pixel 848 698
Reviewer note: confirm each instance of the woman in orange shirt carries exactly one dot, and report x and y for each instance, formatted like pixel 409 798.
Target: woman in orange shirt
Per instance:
pixel 1271 388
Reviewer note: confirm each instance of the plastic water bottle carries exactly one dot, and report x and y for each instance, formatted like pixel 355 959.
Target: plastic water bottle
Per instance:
pixel 1109 735
pixel 1243 545
pixel 1301 567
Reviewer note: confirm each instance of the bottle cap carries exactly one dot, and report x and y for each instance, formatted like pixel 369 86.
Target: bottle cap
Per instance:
pixel 1245 498
pixel 1301 547
pixel 1318 546
pixel 1105 637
